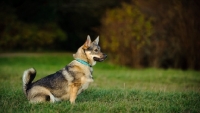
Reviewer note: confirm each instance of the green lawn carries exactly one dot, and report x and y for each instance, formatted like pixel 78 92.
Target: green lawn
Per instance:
pixel 115 89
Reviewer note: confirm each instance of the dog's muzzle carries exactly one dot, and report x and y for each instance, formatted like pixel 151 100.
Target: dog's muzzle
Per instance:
pixel 100 59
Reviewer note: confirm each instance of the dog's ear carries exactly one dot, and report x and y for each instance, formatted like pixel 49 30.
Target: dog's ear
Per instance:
pixel 96 41
pixel 87 43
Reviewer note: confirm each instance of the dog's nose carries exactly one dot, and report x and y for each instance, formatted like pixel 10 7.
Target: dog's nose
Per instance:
pixel 104 55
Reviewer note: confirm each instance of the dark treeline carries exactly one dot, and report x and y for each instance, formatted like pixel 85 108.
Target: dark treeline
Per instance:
pixel 49 24
pixel 137 33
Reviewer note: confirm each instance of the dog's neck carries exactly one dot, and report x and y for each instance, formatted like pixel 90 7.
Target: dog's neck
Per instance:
pixel 83 62
pixel 82 57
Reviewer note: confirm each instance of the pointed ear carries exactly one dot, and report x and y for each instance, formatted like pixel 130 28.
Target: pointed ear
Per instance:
pixel 96 40
pixel 87 43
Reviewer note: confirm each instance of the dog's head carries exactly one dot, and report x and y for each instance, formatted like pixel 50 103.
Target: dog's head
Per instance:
pixel 90 52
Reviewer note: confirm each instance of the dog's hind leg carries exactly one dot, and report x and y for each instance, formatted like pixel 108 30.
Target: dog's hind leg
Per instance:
pixel 40 94
pixel 40 98
pixel 43 98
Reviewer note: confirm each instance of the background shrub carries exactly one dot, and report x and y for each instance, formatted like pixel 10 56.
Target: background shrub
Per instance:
pixel 18 35
pixel 126 33
pixel 149 33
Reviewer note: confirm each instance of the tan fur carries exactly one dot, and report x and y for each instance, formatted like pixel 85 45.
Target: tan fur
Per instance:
pixel 66 83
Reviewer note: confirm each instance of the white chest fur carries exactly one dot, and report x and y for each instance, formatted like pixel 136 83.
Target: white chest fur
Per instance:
pixel 86 80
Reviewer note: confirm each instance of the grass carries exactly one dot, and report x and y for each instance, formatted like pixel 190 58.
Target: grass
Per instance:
pixel 115 89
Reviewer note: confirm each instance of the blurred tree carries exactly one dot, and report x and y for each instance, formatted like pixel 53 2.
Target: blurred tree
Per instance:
pixel 77 18
pixel 28 25
pixel 176 40
pixel 19 35
pixel 139 33
pixel 126 32
pixel 154 33
pixel 80 18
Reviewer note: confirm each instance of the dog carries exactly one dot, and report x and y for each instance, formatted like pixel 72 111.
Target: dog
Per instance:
pixel 68 82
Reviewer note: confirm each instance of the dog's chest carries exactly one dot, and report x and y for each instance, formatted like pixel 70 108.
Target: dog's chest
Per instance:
pixel 85 81
pixel 84 86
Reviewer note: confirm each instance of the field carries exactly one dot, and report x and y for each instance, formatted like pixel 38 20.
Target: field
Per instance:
pixel 116 89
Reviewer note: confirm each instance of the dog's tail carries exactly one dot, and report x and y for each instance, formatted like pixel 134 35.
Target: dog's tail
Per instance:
pixel 27 79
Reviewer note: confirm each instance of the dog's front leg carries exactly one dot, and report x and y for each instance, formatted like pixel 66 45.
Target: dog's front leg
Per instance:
pixel 73 93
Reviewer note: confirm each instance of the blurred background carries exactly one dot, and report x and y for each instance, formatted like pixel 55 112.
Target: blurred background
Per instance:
pixel 134 33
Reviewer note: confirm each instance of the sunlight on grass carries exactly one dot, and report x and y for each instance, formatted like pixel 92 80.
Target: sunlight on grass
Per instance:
pixel 115 89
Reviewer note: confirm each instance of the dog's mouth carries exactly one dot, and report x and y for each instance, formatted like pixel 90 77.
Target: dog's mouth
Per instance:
pixel 100 59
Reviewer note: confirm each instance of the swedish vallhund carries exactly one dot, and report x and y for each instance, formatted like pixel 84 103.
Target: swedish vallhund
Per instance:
pixel 68 82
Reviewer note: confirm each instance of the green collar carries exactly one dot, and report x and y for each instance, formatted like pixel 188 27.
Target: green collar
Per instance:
pixel 83 62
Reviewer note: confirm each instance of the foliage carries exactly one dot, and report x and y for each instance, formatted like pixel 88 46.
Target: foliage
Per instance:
pixel 115 89
pixel 19 35
pixel 81 18
pixel 137 33
pixel 125 32
pixel 77 19
pixel 176 40
pixel 150 33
